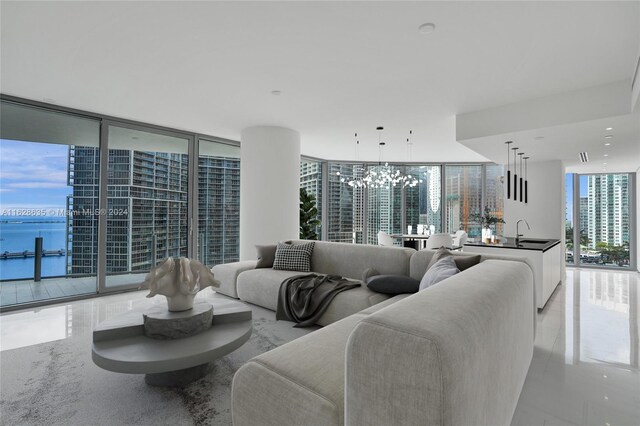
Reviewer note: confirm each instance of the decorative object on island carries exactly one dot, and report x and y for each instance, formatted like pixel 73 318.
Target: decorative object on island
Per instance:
pixel 382 176
pixel 179 279
pixel 308 216
pixel 486 220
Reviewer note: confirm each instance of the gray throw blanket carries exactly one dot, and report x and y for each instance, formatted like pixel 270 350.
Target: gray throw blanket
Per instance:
pixel 304 298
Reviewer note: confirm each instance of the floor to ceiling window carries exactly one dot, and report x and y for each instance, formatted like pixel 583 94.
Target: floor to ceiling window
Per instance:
pixel 494 193
pixel 147 202
pixel 109 199
pixel 384 210
pixel 604 225
pixel 569 222
pixel 218 202
pixel 345 204
pixel 311 181
pixel 47 192
pixel 424 201
pixel 463 198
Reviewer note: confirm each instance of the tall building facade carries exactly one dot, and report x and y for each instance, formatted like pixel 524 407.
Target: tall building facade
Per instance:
pixel 608 209
pixel 218 209
pixel 311 180
pixel 584 214
pixel 147 217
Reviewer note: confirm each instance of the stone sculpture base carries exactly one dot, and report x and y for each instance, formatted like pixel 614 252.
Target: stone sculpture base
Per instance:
pixel 165 325
pixel 177 378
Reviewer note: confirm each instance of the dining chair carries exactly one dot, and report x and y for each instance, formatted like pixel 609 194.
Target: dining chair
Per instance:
pixel 385 239
pixel 436 241
pixel 460 238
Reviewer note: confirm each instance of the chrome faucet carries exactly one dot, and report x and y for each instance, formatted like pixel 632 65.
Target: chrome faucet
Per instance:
pixel 518 234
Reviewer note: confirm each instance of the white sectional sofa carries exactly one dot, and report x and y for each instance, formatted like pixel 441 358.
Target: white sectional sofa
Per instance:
pixel 456 353
pixel 260 286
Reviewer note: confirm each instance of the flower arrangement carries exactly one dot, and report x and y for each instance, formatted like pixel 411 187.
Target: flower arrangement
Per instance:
pixel 487 219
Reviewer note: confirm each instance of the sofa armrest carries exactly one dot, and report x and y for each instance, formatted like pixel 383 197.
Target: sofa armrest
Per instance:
pixel 454 354
pixel 227 274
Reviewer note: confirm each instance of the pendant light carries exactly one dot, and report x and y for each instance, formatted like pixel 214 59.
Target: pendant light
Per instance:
pixel 526 186
pixel 515 176
pixel 520 154
pixel 508 171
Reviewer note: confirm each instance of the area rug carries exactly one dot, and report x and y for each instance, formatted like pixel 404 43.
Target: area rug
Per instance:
pixel 57 383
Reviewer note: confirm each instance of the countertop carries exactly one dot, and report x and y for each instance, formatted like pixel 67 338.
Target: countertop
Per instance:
pixel 539 244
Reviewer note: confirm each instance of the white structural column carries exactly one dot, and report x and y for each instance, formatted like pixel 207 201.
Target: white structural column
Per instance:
pixel 269 187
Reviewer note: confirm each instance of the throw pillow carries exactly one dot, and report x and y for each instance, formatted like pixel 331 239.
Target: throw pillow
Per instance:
pixel 266 256
pixel 369 272
pixel 466 262
pixel 293 257
pixel 443 268
pixel 393 284
pixel 439 254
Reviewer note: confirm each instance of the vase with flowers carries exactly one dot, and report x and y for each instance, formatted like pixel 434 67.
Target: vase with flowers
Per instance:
pixel 487 220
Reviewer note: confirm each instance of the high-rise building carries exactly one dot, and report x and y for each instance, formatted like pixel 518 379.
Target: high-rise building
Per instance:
pixel 345 204
pixel 608 209
pixel 311 180
pixel 218 209
pixel 147 218
pixel 584 214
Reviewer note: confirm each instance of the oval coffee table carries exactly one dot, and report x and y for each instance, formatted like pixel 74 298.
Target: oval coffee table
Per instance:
pixel 120 345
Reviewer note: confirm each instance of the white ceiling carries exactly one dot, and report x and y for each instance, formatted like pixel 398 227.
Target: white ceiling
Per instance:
pixel 342 67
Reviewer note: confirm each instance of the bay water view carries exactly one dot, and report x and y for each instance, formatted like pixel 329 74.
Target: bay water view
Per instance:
pixel 18 233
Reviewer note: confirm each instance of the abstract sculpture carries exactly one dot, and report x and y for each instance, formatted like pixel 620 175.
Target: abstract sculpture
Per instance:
pixel 179 279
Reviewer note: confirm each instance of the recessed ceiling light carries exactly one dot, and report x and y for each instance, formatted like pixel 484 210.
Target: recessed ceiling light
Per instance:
pixel 604 164
pixel 607 143
pixel 276 92
pixel 606 155
pixel 608 136
pixel 427 28
pixel 609 128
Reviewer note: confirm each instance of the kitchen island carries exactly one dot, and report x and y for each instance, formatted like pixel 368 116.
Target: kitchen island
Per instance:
pixel 544 254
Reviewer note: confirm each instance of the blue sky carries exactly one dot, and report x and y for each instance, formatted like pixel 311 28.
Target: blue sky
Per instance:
pixel 569 191
pixel 33 175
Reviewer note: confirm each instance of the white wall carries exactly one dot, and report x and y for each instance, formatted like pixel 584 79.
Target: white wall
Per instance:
pixel 637 218
pixel 545 211
pixel 269 187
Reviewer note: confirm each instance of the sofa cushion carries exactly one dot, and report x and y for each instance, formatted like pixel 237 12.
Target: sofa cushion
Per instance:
pixel 442 269
pixel 296 257
pixel 384 304
pixel 393 284
pixel 227 274
pixel 298 383
pixel 266 256
pixel 351 260
pixel 261 286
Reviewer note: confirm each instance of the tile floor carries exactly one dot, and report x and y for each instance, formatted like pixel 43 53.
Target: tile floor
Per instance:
pixel 585 364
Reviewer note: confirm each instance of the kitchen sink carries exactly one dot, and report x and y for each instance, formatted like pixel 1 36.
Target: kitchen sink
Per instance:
pixel 534 241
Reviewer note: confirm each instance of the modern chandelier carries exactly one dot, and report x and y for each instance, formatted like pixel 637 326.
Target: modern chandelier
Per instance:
pixel 380 176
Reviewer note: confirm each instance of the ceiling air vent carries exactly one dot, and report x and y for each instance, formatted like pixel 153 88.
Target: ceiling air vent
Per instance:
pixel 584 157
